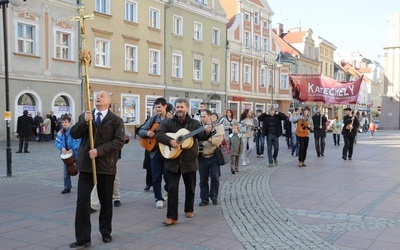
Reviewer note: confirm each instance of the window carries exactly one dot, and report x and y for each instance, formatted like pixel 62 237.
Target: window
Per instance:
pixel 257 42
pixel 178 25
pixel 177 60
pixel 26 38
pixel 154 18
pixel 247 39
pixel 198 31
pixel 197 73
pixel 103 6
pixel 265 44
pixel 246 16
pixel 154 62
pixel 131 58
pixel 215 36
pixel 262 77
pixel 63 45
pixel 215 72
pixel 247 74
pixel 235 72
pixel 265 24
pixel 130 107
pixel 256 18
pixel 284 81
pixel 131 11
pixel 204 2
pixel 102 54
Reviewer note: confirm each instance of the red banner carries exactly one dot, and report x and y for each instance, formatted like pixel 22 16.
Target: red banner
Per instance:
pixel 318 88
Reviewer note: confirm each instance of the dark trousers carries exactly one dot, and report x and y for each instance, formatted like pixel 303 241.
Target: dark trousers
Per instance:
pixel 23 139
pixel 348 145
pixel 209 168
pixel 105 186
pixel 147 166
pixel 303 142
pixel 189 179
pixel 158 170
pixel 260 141
pixel 319 145
pixel 336 139
pixel 272 141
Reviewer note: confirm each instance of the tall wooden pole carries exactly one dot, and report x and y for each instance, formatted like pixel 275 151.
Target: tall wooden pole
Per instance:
pixel 85 59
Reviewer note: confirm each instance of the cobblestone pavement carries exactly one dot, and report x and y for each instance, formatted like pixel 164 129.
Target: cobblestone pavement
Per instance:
pixel 330 204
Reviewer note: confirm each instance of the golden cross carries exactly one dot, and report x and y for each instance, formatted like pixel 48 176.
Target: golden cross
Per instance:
pixel 81 18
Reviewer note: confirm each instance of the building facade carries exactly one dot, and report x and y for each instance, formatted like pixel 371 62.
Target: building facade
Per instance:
pixel 43 60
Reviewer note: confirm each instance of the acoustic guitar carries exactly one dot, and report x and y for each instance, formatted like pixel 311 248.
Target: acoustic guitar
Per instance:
pixel 185 140
pixel 149 143
pixel 302 128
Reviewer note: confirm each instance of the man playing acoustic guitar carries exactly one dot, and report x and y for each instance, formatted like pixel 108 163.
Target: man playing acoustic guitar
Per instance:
pixel 183 162
pixel 304 124
pixel 157 162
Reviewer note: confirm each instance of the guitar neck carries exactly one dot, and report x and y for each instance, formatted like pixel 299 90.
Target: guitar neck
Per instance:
pixel 193 133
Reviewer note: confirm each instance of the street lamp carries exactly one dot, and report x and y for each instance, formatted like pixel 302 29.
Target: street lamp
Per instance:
pixel 7 113
pixel 272 60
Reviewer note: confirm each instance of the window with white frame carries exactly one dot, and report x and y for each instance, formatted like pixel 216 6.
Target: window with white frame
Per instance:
pixel 177 67
pixel 256 17
pixel 247 39
pixel 130 108
pixel 26 39
pixel 102 52
pixel 263 77
pixel 246 16
pixel 247 73
pixel 178 25
pixel 154 18
pixel 284 81
pixel 260 106
pixel 215 72
pixel 235 72
pixel 154 62
pixel 63 45
pixel 257 42
pixel 197 69
pixel 131 57
pixel 198 31
pixel 265 24
pixel 265 44
pixel 204 2
pixel 131 11
pixel 216 36
pixel 103 6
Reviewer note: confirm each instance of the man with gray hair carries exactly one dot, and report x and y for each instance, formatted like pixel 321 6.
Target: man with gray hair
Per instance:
pixel 272 129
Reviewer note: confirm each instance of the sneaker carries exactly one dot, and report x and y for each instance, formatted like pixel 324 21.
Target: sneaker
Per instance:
pixel 117 203
pixel 165 196
pixel 276 161
pixel 247 160
pixel 160 204
pixel 203 203
pixel 261 156
pixel 270 165
pixel 244 163
pixel 65 191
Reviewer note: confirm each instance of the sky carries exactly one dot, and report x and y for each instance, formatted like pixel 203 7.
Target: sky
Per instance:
pixel 351 25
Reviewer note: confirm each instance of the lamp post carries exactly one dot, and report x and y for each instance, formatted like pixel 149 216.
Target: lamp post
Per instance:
pixel 272 60
pixel 7 113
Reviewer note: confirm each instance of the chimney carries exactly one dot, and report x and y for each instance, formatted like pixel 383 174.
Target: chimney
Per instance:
pixel 279 30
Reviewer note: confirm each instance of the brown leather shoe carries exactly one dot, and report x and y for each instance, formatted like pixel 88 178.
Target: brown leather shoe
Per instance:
pixel 189 215
pixel 169 222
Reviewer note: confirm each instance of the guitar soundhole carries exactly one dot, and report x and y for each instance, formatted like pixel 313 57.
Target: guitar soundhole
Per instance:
pixel 179 140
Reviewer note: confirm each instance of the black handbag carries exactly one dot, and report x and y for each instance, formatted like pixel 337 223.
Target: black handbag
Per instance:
pixel 222 153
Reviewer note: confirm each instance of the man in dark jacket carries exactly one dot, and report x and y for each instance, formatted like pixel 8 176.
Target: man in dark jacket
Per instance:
pixel 319 122
pixel 349 132
pixel 272 129
pixel 184 161
pixel 38 122
pixel 109 137
pixel 24 130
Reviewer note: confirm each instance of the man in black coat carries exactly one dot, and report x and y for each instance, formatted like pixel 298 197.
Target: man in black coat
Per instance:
pixel 24 130
pixel 319 122
pixel 109 138
pixel 53 119
pixel 349 132
pixel 272 129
